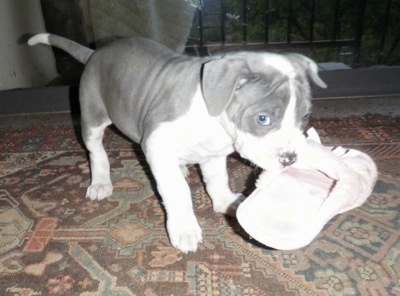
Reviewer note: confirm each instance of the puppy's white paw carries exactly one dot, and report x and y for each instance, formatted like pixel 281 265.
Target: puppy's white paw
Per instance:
pixel 228 205
pixel 184 170
pixel 99 191
pixel 184 234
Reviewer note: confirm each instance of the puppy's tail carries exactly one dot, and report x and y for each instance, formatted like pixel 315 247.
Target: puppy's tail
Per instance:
pixel 79 52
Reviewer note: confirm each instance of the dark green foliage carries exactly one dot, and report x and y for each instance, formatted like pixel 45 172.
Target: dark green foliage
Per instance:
pixel 229 22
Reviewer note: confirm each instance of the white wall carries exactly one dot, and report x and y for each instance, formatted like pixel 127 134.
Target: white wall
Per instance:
pixel 22 66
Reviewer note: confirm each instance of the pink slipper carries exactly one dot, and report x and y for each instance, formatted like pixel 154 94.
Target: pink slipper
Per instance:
pixel 287 210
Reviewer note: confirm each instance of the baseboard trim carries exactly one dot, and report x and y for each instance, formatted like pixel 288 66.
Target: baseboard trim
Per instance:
pixel 357 83
pixel 40 100
pixel 342 84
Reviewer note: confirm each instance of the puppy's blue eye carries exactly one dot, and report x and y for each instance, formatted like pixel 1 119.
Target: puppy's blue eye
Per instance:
pixel 263 119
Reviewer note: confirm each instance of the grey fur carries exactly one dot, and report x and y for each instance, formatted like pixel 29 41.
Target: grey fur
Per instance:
pixel 146 85
pixel 305 65
pixel 123 82
pixel 267 92
pixel 228 72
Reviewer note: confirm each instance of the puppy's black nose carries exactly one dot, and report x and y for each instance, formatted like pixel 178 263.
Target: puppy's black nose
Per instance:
pixel 288 158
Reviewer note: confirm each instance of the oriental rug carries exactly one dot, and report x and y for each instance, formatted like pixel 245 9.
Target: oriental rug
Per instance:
pixel 55 242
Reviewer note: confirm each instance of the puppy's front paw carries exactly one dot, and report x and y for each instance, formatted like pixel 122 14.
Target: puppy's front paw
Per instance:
pixel 229 204
pixel 184 234
pixel 99 191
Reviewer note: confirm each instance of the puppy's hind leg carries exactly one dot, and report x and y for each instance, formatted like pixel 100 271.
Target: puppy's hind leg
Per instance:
pixel 101 185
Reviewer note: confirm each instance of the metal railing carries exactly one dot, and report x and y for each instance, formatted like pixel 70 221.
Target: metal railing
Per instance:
pixel 302 26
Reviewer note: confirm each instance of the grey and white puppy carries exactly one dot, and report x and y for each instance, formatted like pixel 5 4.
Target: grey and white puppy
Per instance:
pixel 185 110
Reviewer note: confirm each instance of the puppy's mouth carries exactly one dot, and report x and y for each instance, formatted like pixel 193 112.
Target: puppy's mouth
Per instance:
pixel 272 152
pixel 266 162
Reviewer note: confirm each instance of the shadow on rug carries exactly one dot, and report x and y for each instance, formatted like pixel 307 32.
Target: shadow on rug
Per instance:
pixel 55 242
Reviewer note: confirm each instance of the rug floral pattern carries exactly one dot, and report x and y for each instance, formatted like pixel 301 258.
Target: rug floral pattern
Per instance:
pixel 55 242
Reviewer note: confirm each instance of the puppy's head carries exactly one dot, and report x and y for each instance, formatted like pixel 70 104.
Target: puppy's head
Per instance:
pixel 263 101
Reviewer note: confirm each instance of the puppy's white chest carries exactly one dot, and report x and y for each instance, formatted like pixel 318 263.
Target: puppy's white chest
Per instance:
pixel 198 142
pixel 194 137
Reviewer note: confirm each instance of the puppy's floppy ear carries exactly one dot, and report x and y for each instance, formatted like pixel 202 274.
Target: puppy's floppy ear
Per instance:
pixel 220 79
pixel 309 66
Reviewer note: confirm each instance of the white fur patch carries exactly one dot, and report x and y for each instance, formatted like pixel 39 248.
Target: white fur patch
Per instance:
pixel 42 38
pixel 101 185
pixel 280 63
pixel 289 118
pixel 195 136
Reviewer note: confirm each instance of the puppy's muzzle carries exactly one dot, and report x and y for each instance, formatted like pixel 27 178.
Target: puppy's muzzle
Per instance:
pixel 287 158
